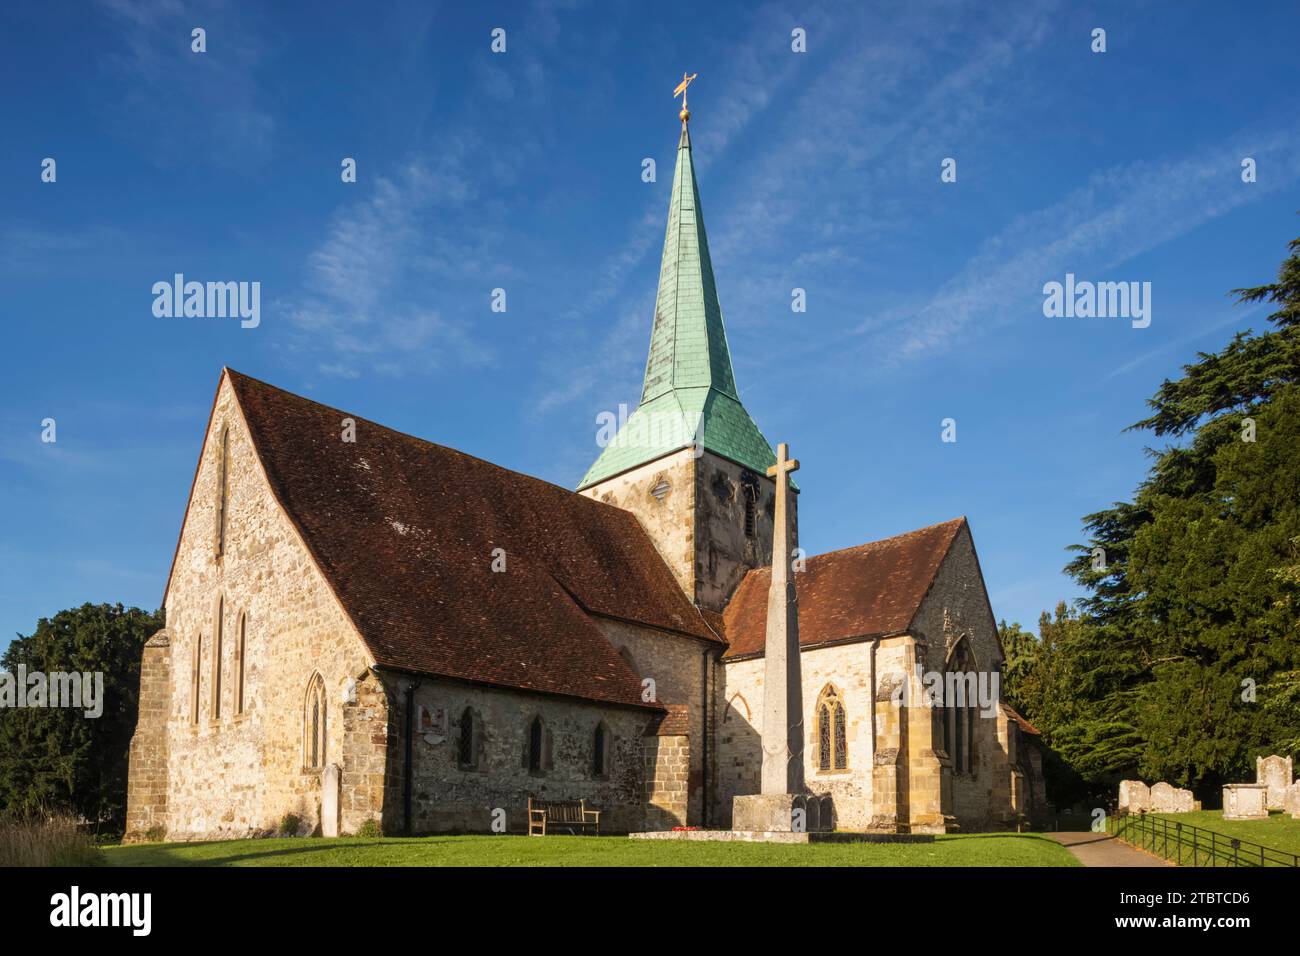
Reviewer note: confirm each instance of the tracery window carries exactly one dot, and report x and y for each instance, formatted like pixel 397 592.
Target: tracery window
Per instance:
pixel 832 732
pixel 959 708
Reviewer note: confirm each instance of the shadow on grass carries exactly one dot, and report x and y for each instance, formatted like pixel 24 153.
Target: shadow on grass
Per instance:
pixel 178 854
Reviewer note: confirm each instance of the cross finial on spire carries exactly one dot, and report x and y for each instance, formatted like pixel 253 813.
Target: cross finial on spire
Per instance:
pixel 685 114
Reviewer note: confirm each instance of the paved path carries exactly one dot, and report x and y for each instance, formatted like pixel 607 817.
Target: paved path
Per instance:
pixel 1102 849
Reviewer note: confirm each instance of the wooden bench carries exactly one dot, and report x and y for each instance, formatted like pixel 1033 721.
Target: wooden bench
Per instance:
pixel 561 813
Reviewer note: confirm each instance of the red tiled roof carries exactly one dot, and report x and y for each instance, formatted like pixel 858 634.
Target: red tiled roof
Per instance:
pixel 675 721
pixel 870 590
pixel 1025 725
pixel 404 532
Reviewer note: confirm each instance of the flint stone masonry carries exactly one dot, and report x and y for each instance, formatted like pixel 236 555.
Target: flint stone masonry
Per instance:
pixel 1276 774
pixel 450 796
pixel 1245 801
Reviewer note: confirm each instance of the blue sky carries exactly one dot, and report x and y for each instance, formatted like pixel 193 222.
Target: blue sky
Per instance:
pixel 522 171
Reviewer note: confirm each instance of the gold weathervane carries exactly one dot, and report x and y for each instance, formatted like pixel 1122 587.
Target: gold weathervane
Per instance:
pixel 681 91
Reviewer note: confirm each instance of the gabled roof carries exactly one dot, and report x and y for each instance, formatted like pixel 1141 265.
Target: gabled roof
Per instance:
pixel 688 375
pixel 871 590
pixel 404 532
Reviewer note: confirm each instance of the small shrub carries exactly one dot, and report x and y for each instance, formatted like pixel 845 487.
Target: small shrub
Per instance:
pixel 156 833
pixel 290 824
pixel 370 828
pixel 54 841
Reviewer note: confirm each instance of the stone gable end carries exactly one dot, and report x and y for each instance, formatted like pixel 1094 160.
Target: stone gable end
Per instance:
pixel 236 772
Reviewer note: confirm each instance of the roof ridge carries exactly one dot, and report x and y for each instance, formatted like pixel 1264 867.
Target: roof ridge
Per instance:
pixel 235 374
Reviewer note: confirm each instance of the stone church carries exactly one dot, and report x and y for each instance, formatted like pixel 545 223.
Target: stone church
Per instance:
pixel 366 626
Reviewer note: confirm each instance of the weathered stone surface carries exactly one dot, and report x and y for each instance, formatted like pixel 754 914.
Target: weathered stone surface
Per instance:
pixel 238 771
pixel 1292 802
pixel 1245 801
pixel 1134 796
pixel 769 812
pixel 329 801
pixel 697 522
pixel 887 786
pixel 1165 798
pixel 147 784
pixel 235 764
pixel 1276 774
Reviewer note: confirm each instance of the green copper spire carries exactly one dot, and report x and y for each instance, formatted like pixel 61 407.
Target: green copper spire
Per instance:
pixel 689 392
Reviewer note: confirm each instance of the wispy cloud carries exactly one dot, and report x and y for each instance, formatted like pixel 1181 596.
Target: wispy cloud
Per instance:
pixel 354 313
pixel 211 102
pixel 1118 215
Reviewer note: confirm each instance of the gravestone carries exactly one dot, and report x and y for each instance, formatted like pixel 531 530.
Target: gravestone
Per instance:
pixel 1134 796
pixel 1169 799
pixel 1162 796
pixel 1245 801
pixel 1292 805
pixel 329 801
pixel 1275 773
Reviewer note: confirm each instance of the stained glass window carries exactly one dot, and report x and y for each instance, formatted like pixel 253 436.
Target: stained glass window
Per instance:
pixel 832 732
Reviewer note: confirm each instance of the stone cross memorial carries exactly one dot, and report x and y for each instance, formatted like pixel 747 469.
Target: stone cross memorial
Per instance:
pixel 782 679
pixel 782 804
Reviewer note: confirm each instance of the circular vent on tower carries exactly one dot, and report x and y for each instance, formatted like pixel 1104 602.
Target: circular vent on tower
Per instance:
pixel 660 489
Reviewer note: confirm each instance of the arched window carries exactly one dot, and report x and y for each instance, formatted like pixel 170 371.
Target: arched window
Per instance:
pixel 832 733
pixel 223 481
pixel 469 742
pixel 313 724
pixel 241 642
pixel 960 700
pixel 218 633
pixel 537 756
pixel 600 751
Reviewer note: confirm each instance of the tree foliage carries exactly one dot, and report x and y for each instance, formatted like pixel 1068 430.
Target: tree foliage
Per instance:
pixel 1183 663
pixel 57 759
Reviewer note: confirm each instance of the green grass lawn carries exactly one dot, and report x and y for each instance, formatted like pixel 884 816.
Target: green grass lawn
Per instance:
pixel 1278 832
pixel 991 849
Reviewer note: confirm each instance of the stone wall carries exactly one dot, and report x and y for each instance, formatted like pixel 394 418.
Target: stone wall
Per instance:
pixel 228 773
pixel 668 520
pixel 447 796
pixel 147 784
pixel 698 524
pixel 848 668
pixel 957 608
pixel 667 775
pixel 724 554
pixel 369 787
pixel 682 669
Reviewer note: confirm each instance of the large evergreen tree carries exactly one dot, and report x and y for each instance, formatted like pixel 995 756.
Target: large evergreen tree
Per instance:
pixel 1184 661
pixel 57 759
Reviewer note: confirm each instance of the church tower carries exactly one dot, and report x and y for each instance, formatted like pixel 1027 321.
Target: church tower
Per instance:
pixel 689 462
